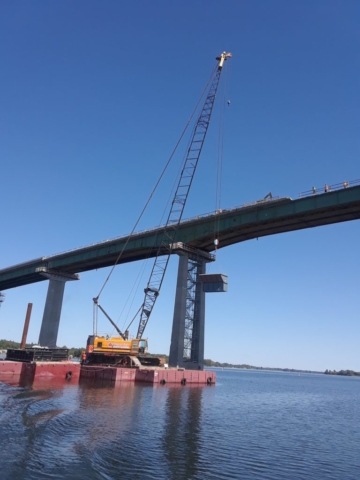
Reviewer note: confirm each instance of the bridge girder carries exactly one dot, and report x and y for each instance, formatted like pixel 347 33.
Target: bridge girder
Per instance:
pixel 267 217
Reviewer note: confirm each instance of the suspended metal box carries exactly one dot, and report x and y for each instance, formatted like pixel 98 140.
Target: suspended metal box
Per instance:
pixel 214 282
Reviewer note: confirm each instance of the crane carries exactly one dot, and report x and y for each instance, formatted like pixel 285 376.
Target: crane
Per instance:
pixel 116 350
pixel 162 257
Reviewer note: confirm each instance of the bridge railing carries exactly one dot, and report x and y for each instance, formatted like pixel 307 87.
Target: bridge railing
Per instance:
pixel 329 188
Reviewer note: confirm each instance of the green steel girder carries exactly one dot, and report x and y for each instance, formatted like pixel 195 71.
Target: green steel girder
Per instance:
pixel 232 226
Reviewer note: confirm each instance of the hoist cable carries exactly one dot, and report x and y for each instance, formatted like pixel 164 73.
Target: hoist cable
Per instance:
pixel 168 236
pixel 154 189
pixel 219 167
pixel 176 180
pixel 130 300
pixel 220 160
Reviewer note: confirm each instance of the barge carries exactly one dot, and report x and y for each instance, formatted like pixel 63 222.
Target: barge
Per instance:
pixel 29 366
pixel 56 373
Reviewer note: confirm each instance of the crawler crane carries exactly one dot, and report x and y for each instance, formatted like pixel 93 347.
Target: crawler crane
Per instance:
pixel 120 350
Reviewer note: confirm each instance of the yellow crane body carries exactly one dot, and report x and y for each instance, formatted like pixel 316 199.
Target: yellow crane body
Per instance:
pixel 118 351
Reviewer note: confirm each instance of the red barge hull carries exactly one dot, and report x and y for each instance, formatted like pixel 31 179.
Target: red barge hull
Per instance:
pixel 31 374
pixel 153 376
pixel 61 373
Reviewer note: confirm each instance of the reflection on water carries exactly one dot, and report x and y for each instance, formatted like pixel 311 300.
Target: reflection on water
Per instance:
pixel 249 426
pixel 182 431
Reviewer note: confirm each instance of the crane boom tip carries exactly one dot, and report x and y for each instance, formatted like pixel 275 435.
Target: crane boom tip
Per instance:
pixel 222 57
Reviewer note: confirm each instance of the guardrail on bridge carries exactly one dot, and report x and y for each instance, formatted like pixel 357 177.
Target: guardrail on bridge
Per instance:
pixel 329 188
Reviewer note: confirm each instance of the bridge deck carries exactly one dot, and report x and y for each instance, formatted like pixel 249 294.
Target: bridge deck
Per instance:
pixel 266 217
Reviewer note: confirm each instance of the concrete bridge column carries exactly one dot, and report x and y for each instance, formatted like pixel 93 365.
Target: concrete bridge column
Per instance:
pixel 52 310
pixel 178 328
pixel 188 331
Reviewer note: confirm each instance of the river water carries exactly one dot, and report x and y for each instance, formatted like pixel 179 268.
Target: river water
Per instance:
pixel 251 425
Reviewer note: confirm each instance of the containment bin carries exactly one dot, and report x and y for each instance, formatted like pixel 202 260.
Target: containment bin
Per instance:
pixel 214 282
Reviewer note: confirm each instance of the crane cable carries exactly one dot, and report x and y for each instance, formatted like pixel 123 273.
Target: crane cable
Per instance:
pixel 155 188
pixel 142 270
pixel 131 297
pixel 141 273
pixel 220 161
pixel 219 171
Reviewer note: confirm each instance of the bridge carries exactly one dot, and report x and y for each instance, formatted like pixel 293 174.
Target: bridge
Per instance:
pixel 195 242
pixel 235 225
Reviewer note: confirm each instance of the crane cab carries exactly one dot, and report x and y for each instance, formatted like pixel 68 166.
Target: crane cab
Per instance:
pixel 116 345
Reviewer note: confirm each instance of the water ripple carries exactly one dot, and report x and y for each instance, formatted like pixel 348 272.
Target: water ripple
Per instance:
pixel 250 425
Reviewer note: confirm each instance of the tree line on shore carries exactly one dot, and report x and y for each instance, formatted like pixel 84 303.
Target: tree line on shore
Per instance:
pixel 346 373
pixel 211 363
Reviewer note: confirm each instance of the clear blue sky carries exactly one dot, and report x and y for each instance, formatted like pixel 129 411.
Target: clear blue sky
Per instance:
pixel 93 98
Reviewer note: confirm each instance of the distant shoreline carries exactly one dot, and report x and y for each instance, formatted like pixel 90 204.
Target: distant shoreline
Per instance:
pixel 76 352
pixel 265 369
pixel 345 373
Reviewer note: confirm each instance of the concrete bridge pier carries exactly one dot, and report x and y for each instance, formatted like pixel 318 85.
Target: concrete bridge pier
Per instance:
pixel 188 331
pixel 52 310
